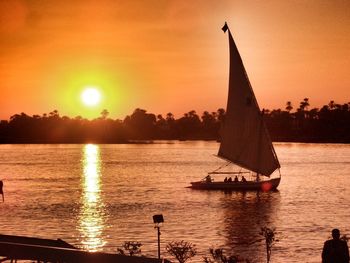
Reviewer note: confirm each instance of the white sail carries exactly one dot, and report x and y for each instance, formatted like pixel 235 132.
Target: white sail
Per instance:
pixel 244 137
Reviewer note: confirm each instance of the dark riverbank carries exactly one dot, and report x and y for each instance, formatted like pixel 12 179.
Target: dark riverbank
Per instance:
pixel 330 124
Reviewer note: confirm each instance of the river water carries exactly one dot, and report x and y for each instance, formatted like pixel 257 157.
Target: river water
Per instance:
pixel 99 196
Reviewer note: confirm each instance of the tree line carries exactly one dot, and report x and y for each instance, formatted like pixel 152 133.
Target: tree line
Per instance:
pixel 331 123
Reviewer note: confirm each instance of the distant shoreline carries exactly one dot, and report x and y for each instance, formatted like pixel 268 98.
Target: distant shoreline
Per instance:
pixel 330 124
pixel 160 141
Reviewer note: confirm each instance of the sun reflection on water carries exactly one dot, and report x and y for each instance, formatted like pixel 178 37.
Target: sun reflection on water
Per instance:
pixel 92 216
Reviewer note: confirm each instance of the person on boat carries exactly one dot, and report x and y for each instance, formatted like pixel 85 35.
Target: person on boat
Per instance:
pixel 229 180
pixel 335 250
pixel 208 179
pixel 225 180
pixel 257 177
pixel 243 179
pixel 236 178
pixel 1 190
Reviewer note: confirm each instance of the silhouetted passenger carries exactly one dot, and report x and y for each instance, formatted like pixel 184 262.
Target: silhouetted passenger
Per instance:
pixel 225 179
pixel 208 179
pixel 2 191
pixel 257 177
pixel 335 250
pixel 229 180
pixel 243 179
pixel 236 178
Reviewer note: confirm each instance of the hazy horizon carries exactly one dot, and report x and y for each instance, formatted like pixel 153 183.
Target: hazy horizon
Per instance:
pixel 199 113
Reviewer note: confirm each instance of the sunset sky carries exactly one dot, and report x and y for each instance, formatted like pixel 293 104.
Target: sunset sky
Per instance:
pixel 169 56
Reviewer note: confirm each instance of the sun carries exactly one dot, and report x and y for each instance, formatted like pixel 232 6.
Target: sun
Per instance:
pixel 91 96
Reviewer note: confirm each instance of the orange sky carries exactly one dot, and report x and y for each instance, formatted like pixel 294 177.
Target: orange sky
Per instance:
pixel 169 56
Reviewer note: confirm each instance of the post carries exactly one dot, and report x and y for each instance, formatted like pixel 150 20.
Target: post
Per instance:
pixel 157 220
pixel 158 228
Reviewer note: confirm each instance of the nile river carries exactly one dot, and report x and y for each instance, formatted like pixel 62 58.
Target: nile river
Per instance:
pixel 99 196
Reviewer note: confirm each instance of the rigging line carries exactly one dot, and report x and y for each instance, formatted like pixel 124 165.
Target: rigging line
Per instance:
pixel 222 166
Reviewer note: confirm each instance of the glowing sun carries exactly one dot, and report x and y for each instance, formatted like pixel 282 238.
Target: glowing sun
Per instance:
pixel 91 96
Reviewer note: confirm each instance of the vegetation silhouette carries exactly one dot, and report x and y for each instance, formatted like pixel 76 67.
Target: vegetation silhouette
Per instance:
pixel 269 235
pixel 131 248
pixel 330 124
pixel 181 250
pixel 217 255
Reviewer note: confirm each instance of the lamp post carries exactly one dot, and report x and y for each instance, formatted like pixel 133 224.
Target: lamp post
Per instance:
pixel 157 220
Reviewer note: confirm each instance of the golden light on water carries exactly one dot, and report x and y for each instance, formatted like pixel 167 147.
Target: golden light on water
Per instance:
pixel 91 221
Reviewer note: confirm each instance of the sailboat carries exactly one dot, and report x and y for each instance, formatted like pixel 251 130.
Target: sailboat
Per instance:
pixel 245 141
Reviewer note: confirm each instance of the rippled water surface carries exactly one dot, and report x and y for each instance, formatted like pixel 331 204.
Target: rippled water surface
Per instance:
pixel 99 196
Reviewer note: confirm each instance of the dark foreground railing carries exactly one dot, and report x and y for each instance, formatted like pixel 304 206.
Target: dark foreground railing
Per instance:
pixel 41 250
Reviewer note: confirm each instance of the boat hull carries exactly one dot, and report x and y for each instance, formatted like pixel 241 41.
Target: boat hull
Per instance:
pixel 268 185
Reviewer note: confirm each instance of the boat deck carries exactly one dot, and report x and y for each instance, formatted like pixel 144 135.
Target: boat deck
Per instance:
pixel 268 185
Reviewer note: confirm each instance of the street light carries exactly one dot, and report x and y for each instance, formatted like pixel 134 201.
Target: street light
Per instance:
pixel 157 220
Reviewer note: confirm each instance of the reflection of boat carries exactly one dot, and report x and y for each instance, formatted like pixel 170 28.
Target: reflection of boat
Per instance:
pixel 243 215
pixel 244 138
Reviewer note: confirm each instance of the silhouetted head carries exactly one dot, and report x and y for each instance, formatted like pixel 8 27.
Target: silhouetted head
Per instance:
pixel 335 233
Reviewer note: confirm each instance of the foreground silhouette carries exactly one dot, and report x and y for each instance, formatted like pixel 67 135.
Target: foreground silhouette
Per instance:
pixel 335 250
pixel 2 191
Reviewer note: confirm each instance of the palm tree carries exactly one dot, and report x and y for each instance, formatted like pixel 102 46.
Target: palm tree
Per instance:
pixel 331 105
pixel 104 114
pixel 304 104
pixel 170 117
pixel 289 106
